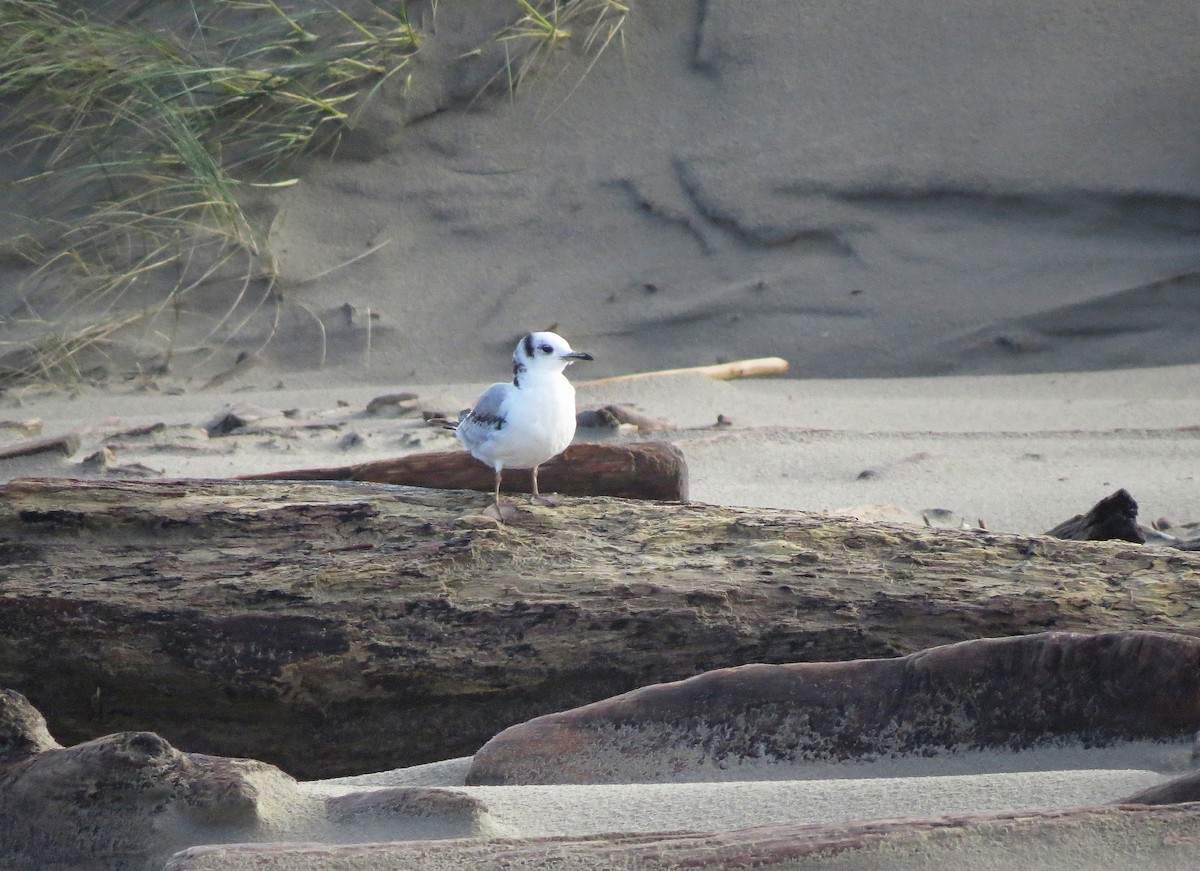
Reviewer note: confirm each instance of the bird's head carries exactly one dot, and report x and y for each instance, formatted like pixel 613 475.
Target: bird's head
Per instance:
pixel 544 352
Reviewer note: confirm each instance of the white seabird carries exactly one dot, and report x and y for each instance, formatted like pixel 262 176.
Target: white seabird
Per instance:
pixel 523 424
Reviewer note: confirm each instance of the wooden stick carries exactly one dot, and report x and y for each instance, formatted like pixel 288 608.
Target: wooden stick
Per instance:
pixel 756 368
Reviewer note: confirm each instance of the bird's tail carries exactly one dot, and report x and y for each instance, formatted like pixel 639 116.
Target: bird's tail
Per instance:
pixel 452 425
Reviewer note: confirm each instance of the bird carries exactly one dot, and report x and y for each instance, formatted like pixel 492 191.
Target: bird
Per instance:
pixel 522 424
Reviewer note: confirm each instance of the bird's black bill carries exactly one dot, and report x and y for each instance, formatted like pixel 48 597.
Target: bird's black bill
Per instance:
pixel 577 355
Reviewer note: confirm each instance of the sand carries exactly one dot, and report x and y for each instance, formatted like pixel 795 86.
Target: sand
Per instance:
pixel 1021 453
pixel 541 811
pixel 877 193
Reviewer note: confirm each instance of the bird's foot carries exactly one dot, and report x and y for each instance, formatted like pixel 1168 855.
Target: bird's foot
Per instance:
pixel 500 512
pixel 544 501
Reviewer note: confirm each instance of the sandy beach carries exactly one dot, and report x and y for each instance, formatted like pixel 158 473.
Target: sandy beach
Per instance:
pixel 1021 453
pixel 970 230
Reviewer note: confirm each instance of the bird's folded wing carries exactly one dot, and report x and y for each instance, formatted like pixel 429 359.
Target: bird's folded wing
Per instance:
pixel 487 416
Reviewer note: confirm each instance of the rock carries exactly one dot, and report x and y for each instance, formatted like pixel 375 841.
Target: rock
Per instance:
pixel 1113 517
pixel 350 440
pixel 23 731
pixel 235 417
pixel 613 416
pixel 597 418
pixel 126 802
pixel 1096 689
pixel 394 404
pixel 98 461
pixel 1185 788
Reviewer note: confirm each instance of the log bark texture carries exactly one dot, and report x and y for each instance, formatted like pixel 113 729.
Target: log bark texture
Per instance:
pixel 391 626
pixel 644 470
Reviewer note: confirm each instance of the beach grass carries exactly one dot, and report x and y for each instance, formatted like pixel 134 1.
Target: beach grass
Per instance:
pixel 547 25
pixel 140 148
pixel 144 140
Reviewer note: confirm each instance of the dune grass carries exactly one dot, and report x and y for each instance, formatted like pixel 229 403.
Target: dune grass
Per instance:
pixel 140 148
pixel 142 137
pixel 546 25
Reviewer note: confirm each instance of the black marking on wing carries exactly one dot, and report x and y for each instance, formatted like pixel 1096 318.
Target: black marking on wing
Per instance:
pixel 495 421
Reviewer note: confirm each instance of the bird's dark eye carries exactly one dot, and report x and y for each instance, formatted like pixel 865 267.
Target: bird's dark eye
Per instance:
pixel 546 349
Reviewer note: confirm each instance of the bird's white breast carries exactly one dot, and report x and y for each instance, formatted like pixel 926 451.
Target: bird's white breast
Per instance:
pixel 539 422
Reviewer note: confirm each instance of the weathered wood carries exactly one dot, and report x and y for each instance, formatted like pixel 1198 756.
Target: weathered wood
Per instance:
pixel 392 402
pixel 644 470
pixel 1106 838
pixel 1113 517
pixel 391 626
pixel 992 693
pixel 66 444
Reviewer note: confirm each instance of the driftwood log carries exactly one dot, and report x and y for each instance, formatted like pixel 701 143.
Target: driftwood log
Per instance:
pixel 390 626
pixel 65 444
pixel 644 470
pixel 128 801
pixel 991 693
pixel 1111 838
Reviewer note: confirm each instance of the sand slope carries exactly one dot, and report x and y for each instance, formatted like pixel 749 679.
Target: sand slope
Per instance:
pixel 865 189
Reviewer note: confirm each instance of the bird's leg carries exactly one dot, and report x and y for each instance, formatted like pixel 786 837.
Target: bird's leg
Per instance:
pixel 537 498
pixel 495 510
